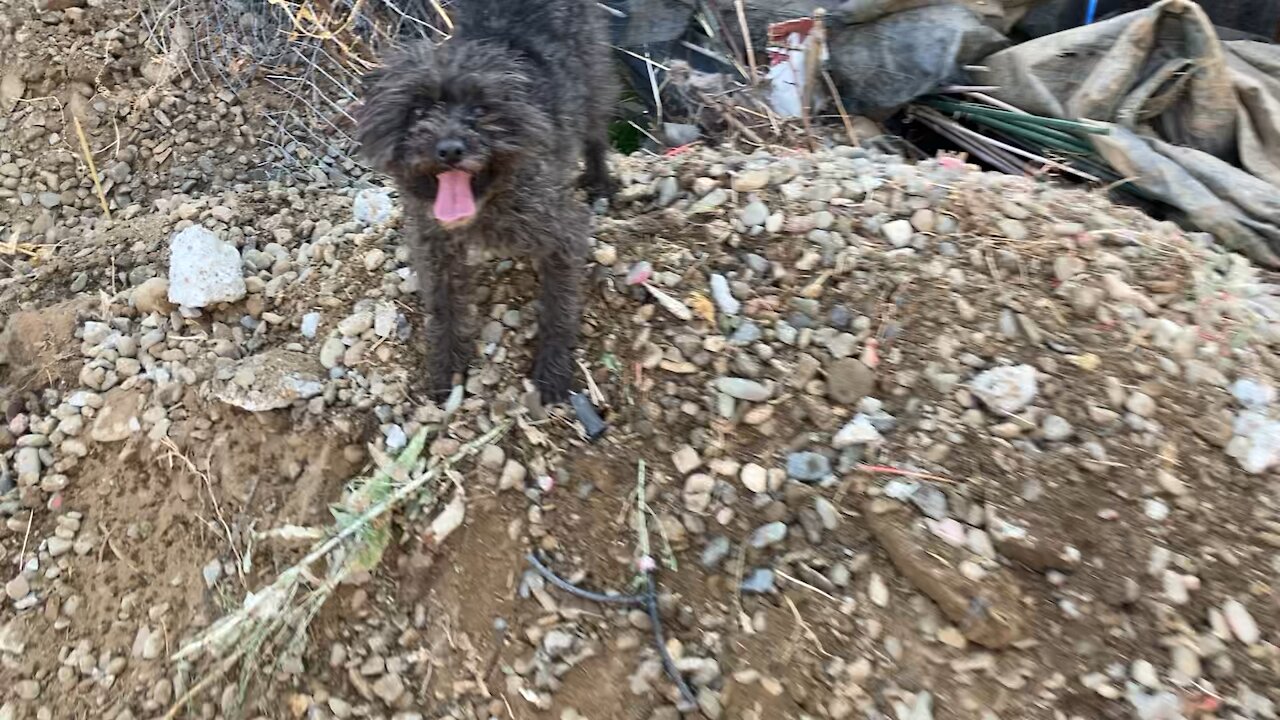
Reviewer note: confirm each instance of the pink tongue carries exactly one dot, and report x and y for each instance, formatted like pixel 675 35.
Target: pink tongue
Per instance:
pixel 454 200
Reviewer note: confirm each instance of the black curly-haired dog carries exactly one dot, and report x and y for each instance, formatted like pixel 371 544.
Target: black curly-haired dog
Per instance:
pixel 483 135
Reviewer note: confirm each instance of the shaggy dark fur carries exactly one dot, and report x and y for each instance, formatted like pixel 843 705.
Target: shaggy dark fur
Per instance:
pixel 519 95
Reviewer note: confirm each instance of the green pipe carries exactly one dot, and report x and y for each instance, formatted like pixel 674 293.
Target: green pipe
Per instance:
pixel 1036 137
pixel 988 111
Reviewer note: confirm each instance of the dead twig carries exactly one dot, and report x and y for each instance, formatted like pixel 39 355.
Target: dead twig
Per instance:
pixel 25 537
pixel 797 581
pixel 844 114
pixel 93 169
pixel 740 8
pixel 887 470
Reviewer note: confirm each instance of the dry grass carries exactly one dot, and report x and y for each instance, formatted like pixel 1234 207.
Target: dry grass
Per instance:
pixel 271 628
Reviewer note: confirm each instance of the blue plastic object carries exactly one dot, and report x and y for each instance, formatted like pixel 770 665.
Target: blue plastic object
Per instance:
pixel 1090 12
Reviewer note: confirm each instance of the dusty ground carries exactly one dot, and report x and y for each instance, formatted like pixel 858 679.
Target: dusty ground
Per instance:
pixel 1096 549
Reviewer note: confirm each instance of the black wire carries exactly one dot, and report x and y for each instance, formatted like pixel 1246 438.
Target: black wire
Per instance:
pixel 565 585
pixel 655 619
pixel 649 600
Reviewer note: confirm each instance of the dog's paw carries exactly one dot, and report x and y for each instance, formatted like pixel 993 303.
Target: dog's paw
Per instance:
pixel 553 375
pixel 439 386
pixel 444 370
pixel 599 187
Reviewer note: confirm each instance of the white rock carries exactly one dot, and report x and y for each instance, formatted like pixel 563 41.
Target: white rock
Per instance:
pixel 1144 673
pixel 858 431
pixel 371 206
pixel 697 492
pixel 1242 624
pixel 310 324
pixel 686 460
pixel 1252 393
pixel 1186 663
pixel 203 270
pixel 396 439
pixel 1056 428
pixel 385 316
pixel 1006 389
pixel 374 259
pixel 898 232
pixel 513 476
pixel 754 478
pixel 878 591
pixel 725 300
pixel 670 304
pixel 1170 483
pixel 1256 445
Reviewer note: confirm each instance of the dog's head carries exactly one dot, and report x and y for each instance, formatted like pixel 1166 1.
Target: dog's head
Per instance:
pixel 451 123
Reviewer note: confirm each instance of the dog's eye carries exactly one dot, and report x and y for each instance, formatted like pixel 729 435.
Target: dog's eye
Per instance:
pixel 476 112
pixel 420 113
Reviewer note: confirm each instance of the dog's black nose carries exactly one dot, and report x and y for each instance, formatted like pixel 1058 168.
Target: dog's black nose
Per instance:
pixel 450 151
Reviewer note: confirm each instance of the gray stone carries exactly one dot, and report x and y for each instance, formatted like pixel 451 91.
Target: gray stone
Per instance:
pixel 1140 404
pixel 770 534
pixel 808 466
pixel 931 501
pixel 716 550
pixel 280 378
pixel 18 588
pixel 746 333
pixel 710 202
pixel 389 688
pixel 743 389
pixel 1012 229
pixel 58 546
pixel 331 352
pixel 356 324
pixel 758 582
pixel 849 380
pixel 755 213
pixel 558 643
pixel 858 431
pixel 26 464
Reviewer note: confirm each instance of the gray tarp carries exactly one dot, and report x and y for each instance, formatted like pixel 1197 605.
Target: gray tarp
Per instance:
pixel 899 57
pixel 1197 120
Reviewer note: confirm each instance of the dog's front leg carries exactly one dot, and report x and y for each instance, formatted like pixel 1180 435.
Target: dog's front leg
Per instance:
pixel 446 288
pixel 560 272
pixel 595 177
